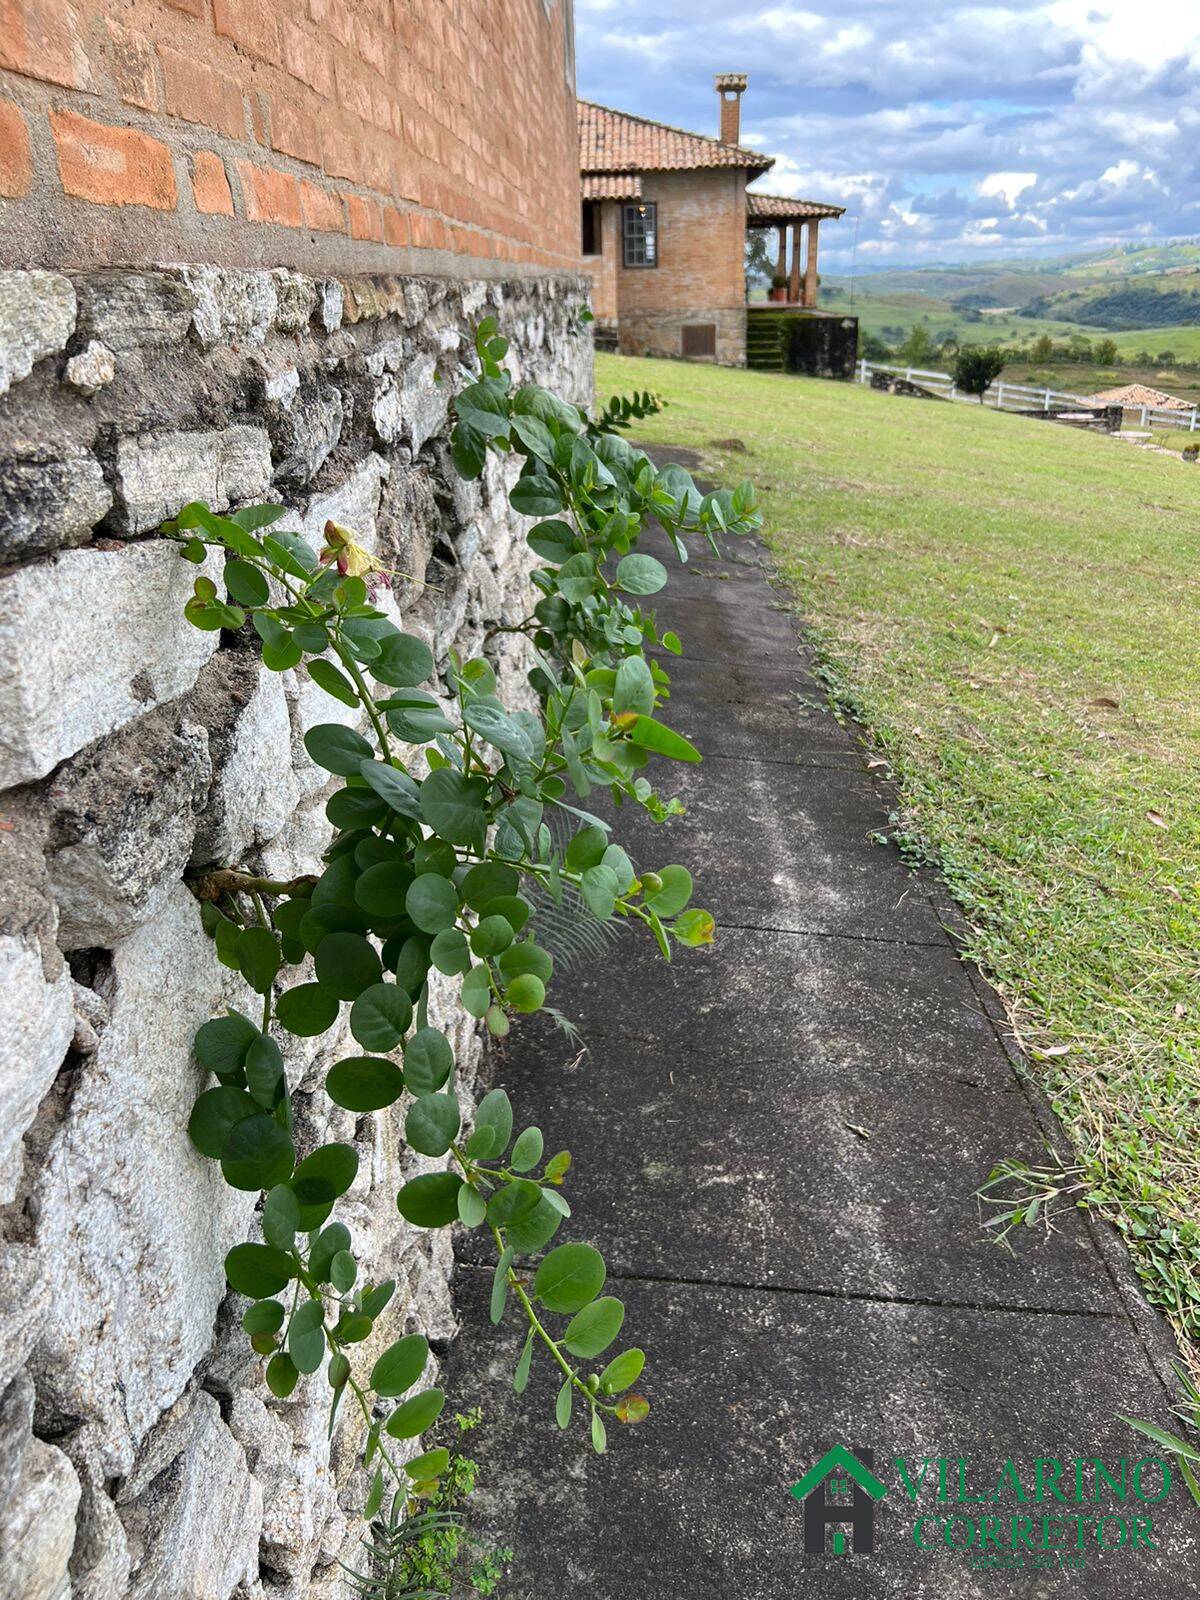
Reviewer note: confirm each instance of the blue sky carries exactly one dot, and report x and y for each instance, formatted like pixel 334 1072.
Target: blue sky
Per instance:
pixel 951 132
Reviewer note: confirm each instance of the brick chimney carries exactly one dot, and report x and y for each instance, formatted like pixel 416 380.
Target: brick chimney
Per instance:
pixel 730 87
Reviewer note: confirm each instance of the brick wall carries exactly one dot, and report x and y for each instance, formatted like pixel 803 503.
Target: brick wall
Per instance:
pixel 390 134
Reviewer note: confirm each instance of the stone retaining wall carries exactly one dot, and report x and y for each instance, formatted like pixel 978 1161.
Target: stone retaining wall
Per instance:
pixel 140 1454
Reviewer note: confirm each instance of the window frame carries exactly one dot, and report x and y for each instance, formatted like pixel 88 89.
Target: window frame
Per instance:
pixel 592 209
pixel 644 212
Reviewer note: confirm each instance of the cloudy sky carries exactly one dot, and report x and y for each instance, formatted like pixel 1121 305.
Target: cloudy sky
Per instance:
pixel 950 131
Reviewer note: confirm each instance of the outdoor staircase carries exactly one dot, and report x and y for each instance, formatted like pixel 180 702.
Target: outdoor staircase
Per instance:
pixel 764 342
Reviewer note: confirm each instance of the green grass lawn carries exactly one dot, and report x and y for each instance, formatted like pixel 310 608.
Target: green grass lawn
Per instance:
pixel 1012 610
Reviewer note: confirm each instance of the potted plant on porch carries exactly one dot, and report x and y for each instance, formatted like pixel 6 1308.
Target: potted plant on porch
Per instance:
pixel 779 289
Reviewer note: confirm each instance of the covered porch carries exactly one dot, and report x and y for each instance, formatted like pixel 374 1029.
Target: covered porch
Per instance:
pixel 796 268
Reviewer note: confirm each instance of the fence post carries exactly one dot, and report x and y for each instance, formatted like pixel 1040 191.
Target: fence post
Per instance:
pixel 908 372
pixel 1192 423
pixel 1046 400
pixel 1143 416
pixel 999 397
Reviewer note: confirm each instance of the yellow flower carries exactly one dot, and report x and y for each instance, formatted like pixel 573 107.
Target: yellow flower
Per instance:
pixel 351 559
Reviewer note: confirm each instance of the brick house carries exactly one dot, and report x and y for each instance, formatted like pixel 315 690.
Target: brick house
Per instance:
pixel 665 214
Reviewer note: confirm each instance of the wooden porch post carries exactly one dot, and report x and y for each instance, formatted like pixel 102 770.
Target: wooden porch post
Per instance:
pixel 794 280
pixel 810 267
pixel 781 258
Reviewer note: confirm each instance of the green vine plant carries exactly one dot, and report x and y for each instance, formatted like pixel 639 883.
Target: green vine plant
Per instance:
pixel 454 820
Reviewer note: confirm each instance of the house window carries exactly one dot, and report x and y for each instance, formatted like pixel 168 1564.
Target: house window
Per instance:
pixel 639 234
pixel 591 228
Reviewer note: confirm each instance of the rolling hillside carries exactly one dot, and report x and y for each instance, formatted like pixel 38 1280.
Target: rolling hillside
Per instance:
pixel 1147 297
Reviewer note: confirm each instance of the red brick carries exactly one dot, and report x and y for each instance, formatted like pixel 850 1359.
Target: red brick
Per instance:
pixel 250 24
pixel 270 195
pixel 320 209
pixel 428 233
pixel 395 228
pixel 210 185
pixel 112 166
pixel 295 131
pixel 307 57
pixel 366 217
pixel 199 93
pixel 40 39
pixel 16 170
pixel 131 65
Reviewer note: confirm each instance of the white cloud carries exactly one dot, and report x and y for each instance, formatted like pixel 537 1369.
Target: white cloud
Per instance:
pixel 1005 185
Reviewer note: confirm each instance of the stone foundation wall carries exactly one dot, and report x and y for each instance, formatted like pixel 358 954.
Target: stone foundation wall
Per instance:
pixel 140 1454
pixel 660 333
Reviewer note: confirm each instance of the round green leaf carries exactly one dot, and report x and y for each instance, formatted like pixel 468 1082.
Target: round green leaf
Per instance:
pixel 476 992
pixel 595 1327
pixel 491 936
pixel 453 806
pixel 400 1365
pixel 258 1270
pixel 343 1270
pixel 527 1151
pixel 525 957
pixel 423 1469
pixel 381 889
pixel 380 1017
pixel 403 661
pixel 493 1126
pixel 325 1174
pixel 431 902
pixel 266 1316
pixel 337 748
pixel 428 1059
pixel 257 1154
pixel 430 1201
pixel 221 1045
pixel 432 1124
pixel 622 1371
pixel 346 964
pixel 675 893
pixel 569 1277
pixel 472 1208
pixel 264 1070
pixel 307 1010
pixel 490 880
pixel 330 1242
pixel 526 993
pixel 246 583
pixel 414 1416
pixel 214 1115
pixel 306 1336
pixel 364 1083
pixel 638 574
pixel 281 1217
pixel 282 1376
pixel 450 952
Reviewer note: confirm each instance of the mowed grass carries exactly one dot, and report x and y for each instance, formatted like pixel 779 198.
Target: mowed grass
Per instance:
pixel 1012 610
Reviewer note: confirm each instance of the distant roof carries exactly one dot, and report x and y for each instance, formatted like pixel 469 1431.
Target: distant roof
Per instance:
pixel 778 208
pixel 1137 394
pixel 612 186
pixel 616 141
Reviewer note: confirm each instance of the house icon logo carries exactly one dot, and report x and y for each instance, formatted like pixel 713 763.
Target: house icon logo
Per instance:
pixel 841 1488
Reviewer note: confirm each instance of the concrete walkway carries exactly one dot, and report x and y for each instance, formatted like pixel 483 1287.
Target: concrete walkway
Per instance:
pixel 776 1142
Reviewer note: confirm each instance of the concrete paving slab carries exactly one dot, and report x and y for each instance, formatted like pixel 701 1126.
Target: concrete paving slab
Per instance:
pixel 810 1178
pixel 786 849
pixel 748 1390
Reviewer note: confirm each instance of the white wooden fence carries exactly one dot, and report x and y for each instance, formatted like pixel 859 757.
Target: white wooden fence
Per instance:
pixel 1025 397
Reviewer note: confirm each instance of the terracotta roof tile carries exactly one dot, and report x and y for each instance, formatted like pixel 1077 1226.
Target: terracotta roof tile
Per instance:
pixel 612 186
pixel 1138 394
pixel 615 141
pixel 778 208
